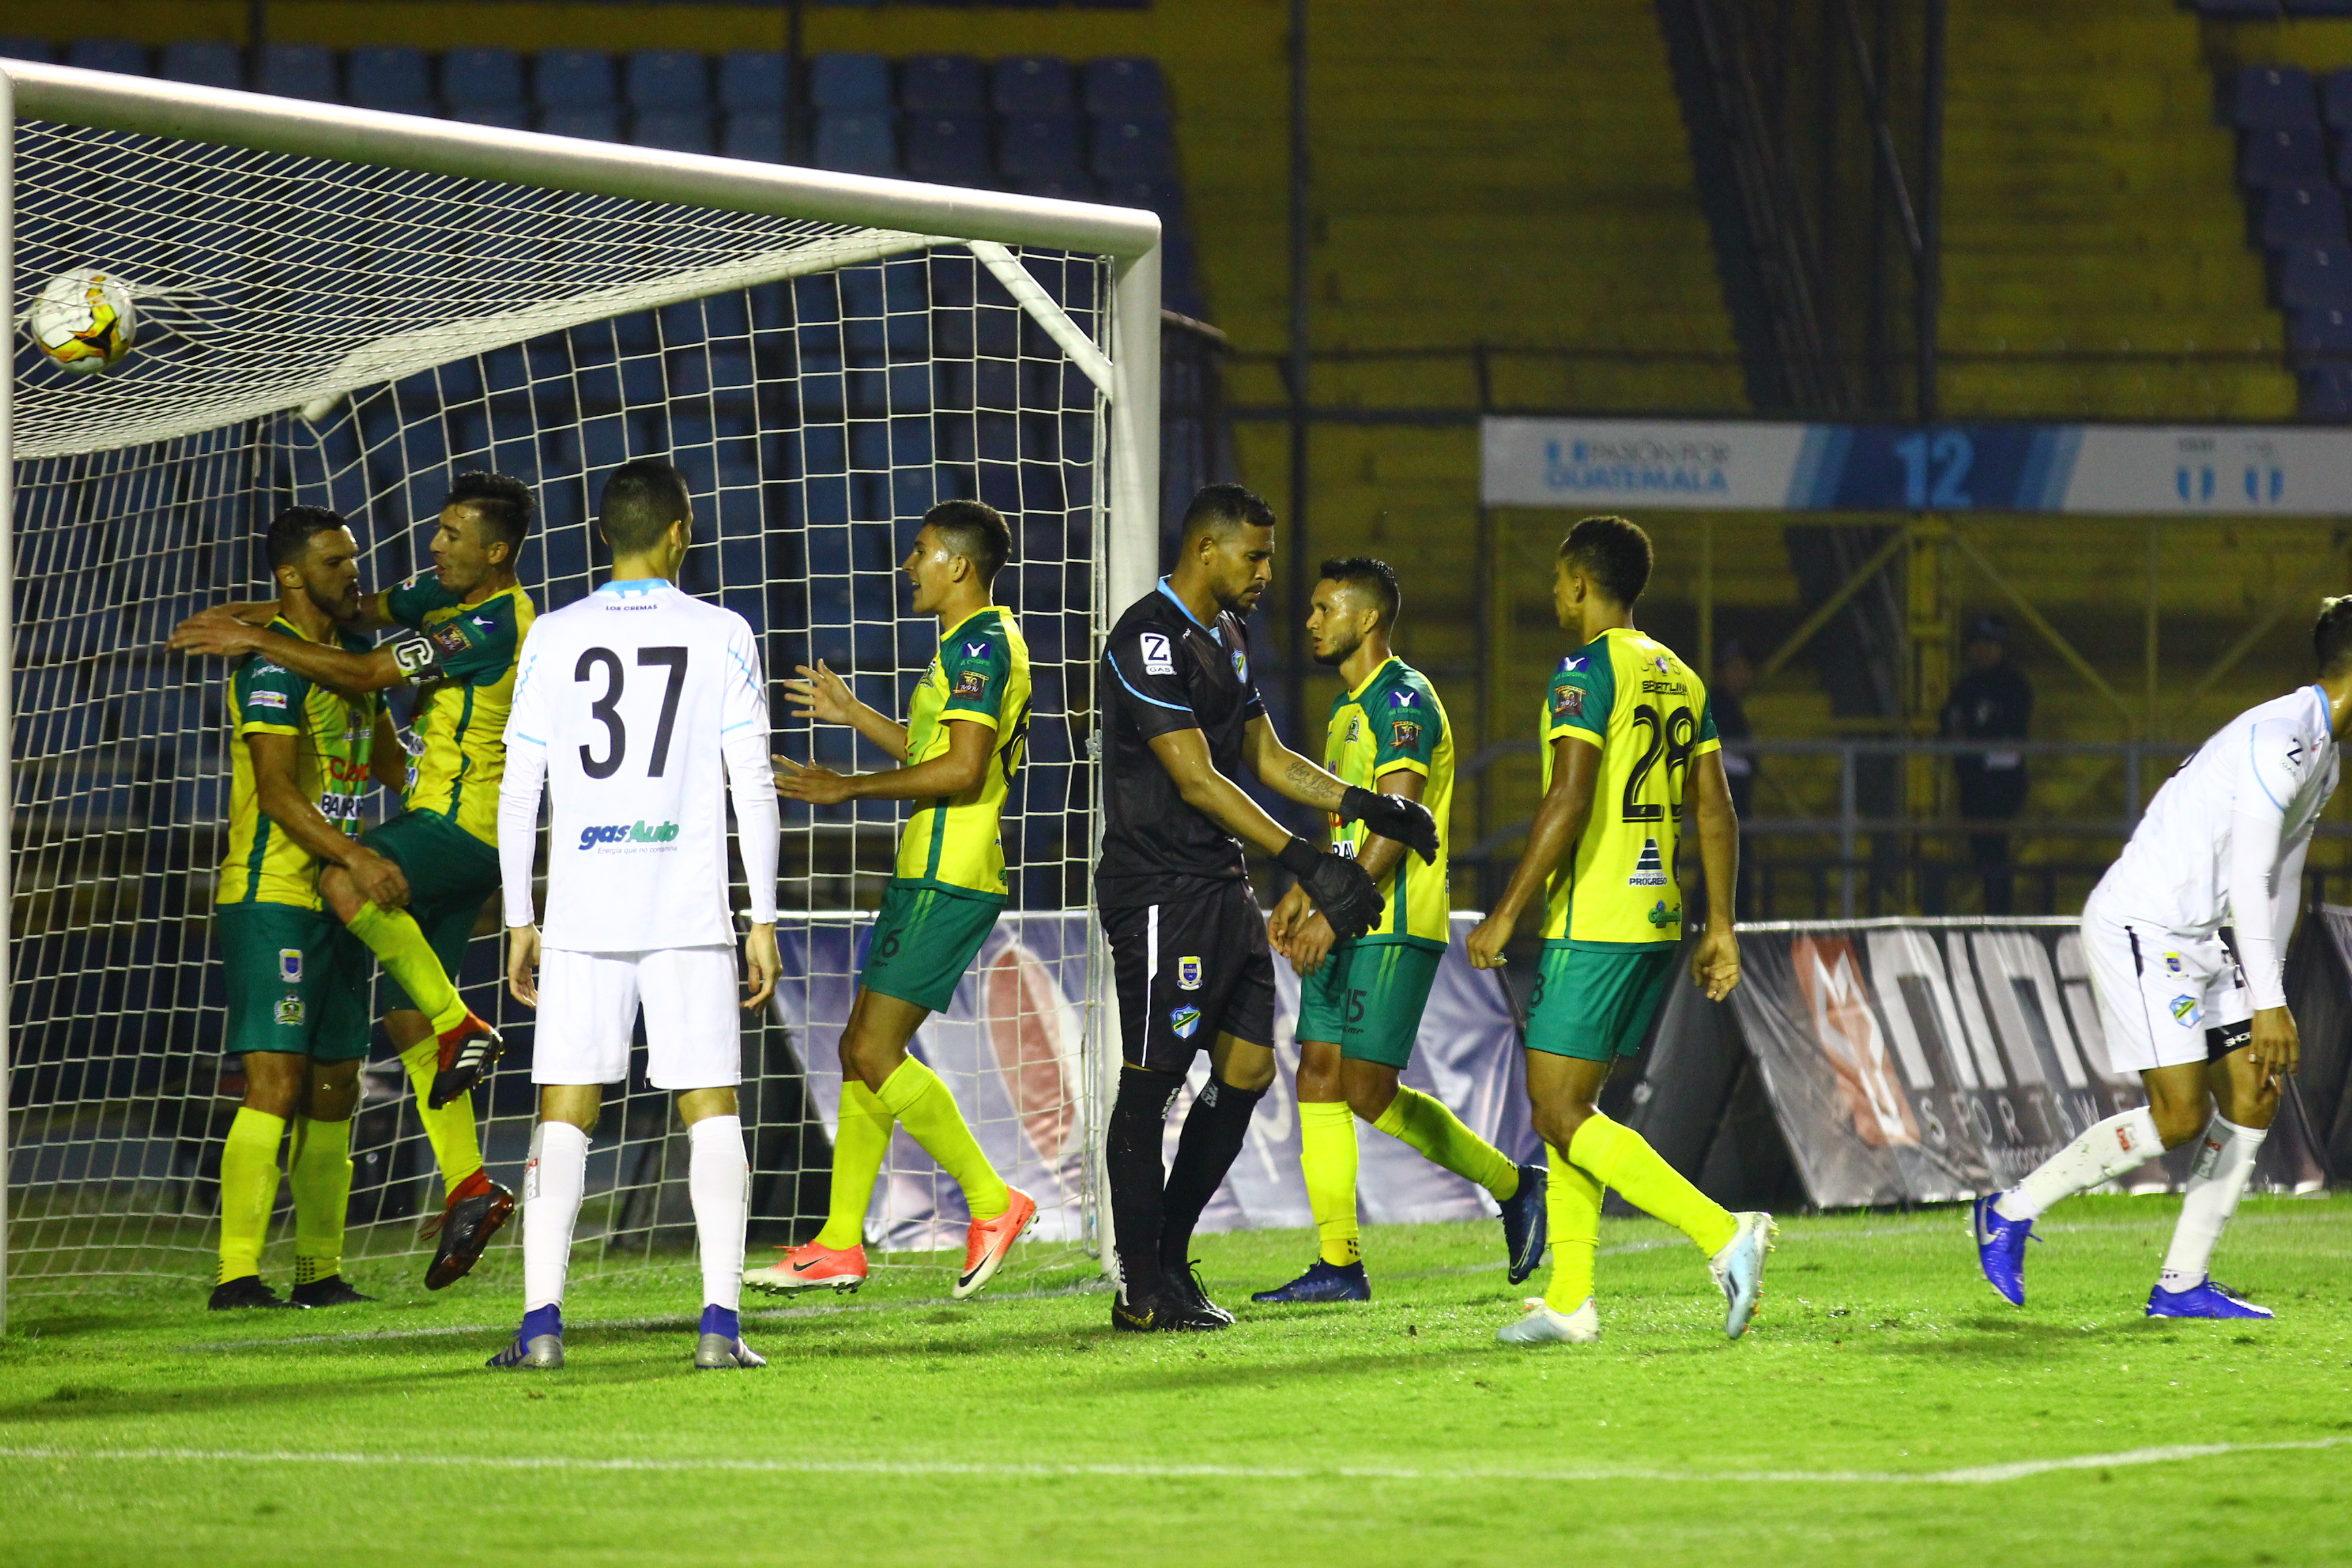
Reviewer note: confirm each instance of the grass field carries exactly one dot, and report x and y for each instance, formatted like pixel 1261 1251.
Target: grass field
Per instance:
pixel 1886 1408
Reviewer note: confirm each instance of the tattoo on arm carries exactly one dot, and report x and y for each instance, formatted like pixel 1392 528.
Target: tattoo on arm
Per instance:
pixel 1315 786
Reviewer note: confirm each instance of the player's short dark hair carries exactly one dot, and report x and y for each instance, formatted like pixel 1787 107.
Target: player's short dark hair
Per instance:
pixel 975 531
pixel 2331 635
pixel 639 503
pixel 1375 577
pixel 291 531
pixel 1614 552
pixel 502 501
pixel 1221 508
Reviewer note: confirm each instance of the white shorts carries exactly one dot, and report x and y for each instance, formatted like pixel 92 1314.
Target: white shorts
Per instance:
pixel 2165 997
pixel 588 1002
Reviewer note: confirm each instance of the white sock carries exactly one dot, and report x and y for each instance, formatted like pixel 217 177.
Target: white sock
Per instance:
pixel 552 1185
pixel 2224 1162
pixel 2101 1154
pixel 718 1179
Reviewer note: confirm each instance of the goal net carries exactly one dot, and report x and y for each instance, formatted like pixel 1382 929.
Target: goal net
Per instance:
pixel 824 357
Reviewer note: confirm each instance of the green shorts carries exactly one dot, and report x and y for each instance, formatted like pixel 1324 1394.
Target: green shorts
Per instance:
pixel 924 940
pixel 1368 999
pixel 297 981
pixel 1596 1004
pixel 451 875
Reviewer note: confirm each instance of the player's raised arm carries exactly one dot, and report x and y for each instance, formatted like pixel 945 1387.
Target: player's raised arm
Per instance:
pixel 824 696
pixel 1560 821
pixel 1307 782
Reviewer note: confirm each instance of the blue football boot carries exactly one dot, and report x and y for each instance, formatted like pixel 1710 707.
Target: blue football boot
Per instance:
pixel 1322 1283
pixel 2001 1250
pixel 1526 1222
pixel 2206 1299
pixel 537 1345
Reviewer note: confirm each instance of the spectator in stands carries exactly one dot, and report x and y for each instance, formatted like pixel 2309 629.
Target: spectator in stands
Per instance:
pixel 1734 674
pixel 1992 701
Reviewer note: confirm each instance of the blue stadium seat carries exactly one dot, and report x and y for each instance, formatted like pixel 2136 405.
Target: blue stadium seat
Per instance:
pixel 668 78
pixel 584 124
pixel 390 77
pixel 2238 10
pixel 119 56
pixel 300 71
pixel 1124 87
pixel 2282 155
pixel 2321 334
pixel 573 79
pixel 2302 215
pixel 754 134
pixel 204 64
pixel 472 78
pixel 2328 392
pixel 857 142
pixel 2319 7
pixel 2316 276
pixel 844 79
pixel 942 84
pixel 1077 185
pixel 22 49
pixel 753 81
pixel 2269 96
pixel 672 130
pixel 1039 146
pixel 1031 84
pixel 1134 150
pixel 504 116
pixel 949 149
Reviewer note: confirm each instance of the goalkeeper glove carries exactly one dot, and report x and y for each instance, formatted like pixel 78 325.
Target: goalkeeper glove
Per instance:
pixel 1393 817
pixel 1346 897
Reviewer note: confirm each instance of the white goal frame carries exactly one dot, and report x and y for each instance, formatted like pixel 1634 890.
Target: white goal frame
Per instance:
pixel 917 215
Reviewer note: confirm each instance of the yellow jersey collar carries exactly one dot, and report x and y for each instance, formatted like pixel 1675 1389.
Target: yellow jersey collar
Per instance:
pixel 1357 695
pixel 946 632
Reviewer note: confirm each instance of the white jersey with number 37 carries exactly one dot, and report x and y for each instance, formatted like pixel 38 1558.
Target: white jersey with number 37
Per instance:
pixel 638 706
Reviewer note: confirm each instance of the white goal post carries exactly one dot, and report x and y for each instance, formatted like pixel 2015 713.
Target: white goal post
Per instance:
pixel 589 247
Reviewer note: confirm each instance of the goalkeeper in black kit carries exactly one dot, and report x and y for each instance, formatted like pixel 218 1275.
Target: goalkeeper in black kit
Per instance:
pixel 1188 945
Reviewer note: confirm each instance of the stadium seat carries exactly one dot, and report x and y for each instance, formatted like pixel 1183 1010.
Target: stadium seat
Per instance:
pixel 300 71
pixel 2302 215
pixel 2316 278
pixel 2282 155
pixel 2319 7
pixel 1124 87
pixel 1039 146
pixel 472 78
pixel 857 142
pixel 119 56
pixel 672 130
pixel 755 135
pixel 2335 99
pixel 23 48
pixel 2271 96
pixel 943 84
pixel 1135 150
pixel 1031 84
pixel 1076 185
pixel 573 79
pixel 848 81
pixel 668 78
pixel 2238 10
pixel 390 77
pixel 2323 334
pixel 504 116
pixel 583 123
pixel 753 81
pixel 2327 393
pixel 204 64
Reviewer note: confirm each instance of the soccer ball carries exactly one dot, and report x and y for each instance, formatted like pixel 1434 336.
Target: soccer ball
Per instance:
pixel 83 321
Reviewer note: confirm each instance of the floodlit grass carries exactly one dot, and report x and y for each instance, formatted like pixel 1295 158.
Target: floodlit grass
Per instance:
pixel 897 1426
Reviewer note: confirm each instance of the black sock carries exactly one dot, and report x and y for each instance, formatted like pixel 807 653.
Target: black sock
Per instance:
pixel 1213 1131
pixel 1139 1123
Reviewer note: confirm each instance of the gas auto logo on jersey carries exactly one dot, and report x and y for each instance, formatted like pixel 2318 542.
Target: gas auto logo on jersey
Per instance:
pixel 628 833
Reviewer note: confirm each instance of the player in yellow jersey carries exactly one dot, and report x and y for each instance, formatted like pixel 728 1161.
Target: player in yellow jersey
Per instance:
pixel 462 628
pixel 297 985
pixel 1628 745
pixel 1360 1002
pixel 961 749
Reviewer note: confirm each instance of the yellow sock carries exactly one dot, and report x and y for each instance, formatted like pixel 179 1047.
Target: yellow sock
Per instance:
pixel 858 1147
pixel 1327 1157
pixel 1620 1157
pixel 922 1104
pixel 1573 1201
pixel 248 1187
pixel 320 1170
pixel 1440 1138
pixel 457 1146
pixel 399 944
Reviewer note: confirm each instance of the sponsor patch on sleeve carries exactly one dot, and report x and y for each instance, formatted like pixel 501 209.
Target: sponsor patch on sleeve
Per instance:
pixel 1158 658
pixel 266 699
pixel 971 683
pixel 1568 703
pixel 1404 735
pixel 449 637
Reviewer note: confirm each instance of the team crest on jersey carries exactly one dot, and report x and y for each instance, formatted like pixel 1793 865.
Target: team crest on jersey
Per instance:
pixel 971 683
pixel 1184 1021
pixel 290 1010
pixel 289 966
pixel 1241 666
pixel 1568 703
pixel 1650 870
pixel 1188 975
pixel 1157 658
pixel 1404 734
pixel 2172 962
pixel 1662 916
pixel 1355 727
pixel 2186 1012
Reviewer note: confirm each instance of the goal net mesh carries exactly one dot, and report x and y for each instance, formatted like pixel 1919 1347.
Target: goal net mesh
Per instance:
pixel 333 333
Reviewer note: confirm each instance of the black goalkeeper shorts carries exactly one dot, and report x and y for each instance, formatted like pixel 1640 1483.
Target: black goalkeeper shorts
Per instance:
pixel 1190 971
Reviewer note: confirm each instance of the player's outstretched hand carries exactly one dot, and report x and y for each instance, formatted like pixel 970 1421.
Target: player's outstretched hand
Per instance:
pixel 522 963
pixel 1395 816
pixel 1715 964
pixel 2277 1047
pixel 1348 898
pixel 821 695
pixel 810 781
pixel 762 965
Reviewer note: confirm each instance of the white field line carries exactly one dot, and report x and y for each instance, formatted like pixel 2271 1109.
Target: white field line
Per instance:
pixel 1978 1475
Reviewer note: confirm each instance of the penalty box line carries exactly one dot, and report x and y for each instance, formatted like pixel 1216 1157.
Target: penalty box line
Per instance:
pixel 1977 1474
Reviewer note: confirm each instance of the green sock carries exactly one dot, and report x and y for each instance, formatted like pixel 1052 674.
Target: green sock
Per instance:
pixel 1441 1137
pixel 320 1172
pixel 924 1106
pixel 248 1187
pixel 1619 1157
pixel 1573 1201
pixel 457 1147
pixel 1326 1158
pixel 399 944
pixel 859 1144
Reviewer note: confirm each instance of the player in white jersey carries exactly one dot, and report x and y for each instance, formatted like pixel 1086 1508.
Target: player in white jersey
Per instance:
pixel 2185 937
pixel 640 709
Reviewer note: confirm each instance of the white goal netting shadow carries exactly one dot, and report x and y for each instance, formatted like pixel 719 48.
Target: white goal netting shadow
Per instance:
pixel 355 336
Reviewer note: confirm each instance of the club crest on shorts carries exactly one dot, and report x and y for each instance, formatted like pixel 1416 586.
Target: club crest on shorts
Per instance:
pixel 2172 962
pixel 1184 1021
pixel 290 1010
pixel 289 966
pixel 1188 975
pixel 2186 1012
